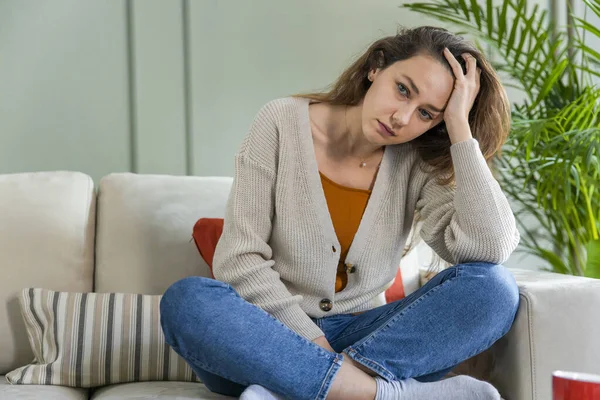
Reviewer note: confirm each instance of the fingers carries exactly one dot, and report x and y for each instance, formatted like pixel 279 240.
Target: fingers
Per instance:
pixel 456 68
pixel 473 71
pixel 471 65
pixel 470 61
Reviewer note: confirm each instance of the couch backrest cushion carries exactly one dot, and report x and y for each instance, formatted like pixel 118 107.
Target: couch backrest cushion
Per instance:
pixel 144 229
pixel 46 240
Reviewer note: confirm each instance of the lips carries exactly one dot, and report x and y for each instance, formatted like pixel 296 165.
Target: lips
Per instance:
pixel 386 129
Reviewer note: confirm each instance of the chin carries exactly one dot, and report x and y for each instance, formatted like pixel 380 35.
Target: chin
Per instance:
pixel 375 138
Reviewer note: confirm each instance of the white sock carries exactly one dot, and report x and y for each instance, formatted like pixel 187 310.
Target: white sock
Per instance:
pixel 257 392
pixel 461 387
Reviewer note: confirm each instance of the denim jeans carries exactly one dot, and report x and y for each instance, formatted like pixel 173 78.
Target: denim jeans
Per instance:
pixel 231 344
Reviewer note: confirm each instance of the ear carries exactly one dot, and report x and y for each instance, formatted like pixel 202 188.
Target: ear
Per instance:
pixel 372 74
pixel 379 58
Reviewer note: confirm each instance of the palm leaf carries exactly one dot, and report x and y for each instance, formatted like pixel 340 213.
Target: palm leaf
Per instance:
pixel 550 164
pixel 528 31
pixel 592 267
pixel 594 6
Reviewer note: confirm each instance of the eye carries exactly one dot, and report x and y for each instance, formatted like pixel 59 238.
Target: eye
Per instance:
pixel 405 92
pixel 402 88
pixel 425 114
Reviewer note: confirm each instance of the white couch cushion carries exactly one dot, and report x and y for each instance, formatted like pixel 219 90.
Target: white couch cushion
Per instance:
pixel 37 392
pixel 46 240
pixel 158 391
pixel 144 229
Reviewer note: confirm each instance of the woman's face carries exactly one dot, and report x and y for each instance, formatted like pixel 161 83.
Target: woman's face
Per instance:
pixel 408 98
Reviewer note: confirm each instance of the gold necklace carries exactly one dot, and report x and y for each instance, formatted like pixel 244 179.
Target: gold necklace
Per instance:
pixel 364 164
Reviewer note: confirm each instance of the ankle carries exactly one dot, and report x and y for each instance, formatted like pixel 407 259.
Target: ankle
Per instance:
pixel 351 383
pixel 355 364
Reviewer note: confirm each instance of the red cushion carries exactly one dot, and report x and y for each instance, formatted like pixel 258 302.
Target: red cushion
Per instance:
pixel 207 232
pixel 396 291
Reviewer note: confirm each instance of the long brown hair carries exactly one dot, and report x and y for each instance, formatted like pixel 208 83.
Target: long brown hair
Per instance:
pixel 489 118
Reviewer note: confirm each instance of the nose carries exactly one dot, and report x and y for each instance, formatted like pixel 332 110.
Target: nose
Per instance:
pixel 402 116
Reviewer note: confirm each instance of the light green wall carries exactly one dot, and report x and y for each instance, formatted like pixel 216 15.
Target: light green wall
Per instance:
pixel 63 86
pixel 170 87
pixel 167 87
pixel 245 53
pixel 157 73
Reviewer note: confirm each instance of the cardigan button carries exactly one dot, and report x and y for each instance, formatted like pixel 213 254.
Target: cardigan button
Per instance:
pixel 326 305
pixel 333 249
pixel 350 268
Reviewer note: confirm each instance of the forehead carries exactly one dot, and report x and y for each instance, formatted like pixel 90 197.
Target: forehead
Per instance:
pixel 421 65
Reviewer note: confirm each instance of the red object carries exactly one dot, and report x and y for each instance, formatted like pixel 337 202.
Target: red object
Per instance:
pixel 396 291
pixel 206 234
pixel 575 386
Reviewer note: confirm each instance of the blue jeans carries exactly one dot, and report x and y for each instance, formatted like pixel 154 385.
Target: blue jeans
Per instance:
pixel 231 344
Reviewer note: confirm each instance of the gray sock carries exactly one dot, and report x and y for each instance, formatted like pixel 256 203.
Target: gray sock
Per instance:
pixel 257 392
pixel 461 387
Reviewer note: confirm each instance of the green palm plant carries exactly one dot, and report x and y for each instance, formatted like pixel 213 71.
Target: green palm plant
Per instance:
pixel 550 164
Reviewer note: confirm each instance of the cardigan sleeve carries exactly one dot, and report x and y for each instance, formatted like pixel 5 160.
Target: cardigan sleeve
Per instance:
pixel 471 221
pixel 243 256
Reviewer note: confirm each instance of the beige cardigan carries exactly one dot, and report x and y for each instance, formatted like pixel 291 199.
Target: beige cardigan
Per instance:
pixel 279 249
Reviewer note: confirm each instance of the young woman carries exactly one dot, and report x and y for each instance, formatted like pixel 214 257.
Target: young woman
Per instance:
pixel 327 187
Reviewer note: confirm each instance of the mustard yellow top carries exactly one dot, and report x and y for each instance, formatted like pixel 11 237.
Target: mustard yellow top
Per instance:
pixel 346 207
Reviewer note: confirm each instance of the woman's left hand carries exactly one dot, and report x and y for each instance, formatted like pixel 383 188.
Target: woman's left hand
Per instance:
pixel 466 88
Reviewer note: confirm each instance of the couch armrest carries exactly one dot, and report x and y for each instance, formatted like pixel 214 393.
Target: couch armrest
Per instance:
pixel 556 328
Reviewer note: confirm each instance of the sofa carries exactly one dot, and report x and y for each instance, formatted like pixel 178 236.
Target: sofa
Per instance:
pixel 131 233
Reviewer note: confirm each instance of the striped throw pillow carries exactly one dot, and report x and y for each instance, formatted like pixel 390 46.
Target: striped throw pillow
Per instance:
pixel 92 339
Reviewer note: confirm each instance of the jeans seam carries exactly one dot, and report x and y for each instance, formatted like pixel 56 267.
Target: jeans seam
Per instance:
pixel 459 270
pixel 457 275
pixel 392 319
pixel 319 323
pixel 365 341
pixel 336 361
pixel 457 361
pixel 364 327
pixel 335 366
pixel 372 365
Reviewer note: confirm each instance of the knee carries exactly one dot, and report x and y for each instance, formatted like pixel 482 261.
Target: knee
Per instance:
pixel 182 291
pixel 502 285
pixel 186 299
pixel 494 289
